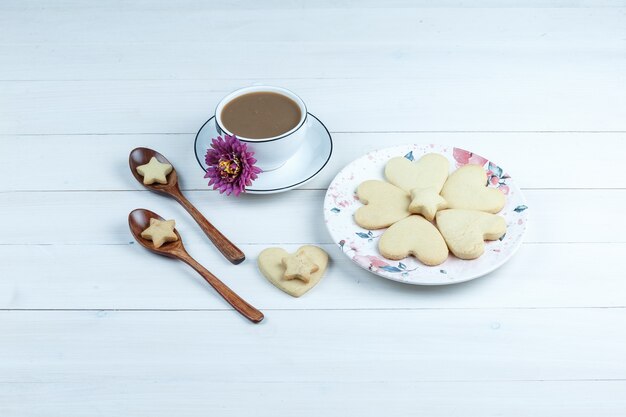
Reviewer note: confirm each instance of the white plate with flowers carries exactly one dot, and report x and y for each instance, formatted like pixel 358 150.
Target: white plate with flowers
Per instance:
pixel 361 245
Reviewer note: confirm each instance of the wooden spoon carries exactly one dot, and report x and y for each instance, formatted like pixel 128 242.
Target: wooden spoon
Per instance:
pixel 139 220
pixel 141 156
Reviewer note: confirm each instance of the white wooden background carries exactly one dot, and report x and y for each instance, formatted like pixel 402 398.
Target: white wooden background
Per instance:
pixel 91 324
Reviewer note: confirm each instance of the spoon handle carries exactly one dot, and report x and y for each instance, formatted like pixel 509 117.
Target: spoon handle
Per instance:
pixel 229 295
pixel 228 248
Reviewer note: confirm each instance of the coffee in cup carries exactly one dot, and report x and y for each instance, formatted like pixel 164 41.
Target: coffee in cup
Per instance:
pixel 271 120
pixel 261 115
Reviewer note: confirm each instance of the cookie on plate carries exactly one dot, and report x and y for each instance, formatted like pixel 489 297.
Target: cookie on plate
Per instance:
pixel 414 236
pixel 466 188
pixel 465 231
pixel 385 204
pixel 431 170
pixel 427 202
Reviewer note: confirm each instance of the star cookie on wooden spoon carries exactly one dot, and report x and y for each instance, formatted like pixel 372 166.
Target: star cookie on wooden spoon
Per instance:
pixel 160 232
pixel 154 171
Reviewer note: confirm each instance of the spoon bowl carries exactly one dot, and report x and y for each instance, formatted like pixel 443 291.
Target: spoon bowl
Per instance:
pixel 141 156
pixel 139 220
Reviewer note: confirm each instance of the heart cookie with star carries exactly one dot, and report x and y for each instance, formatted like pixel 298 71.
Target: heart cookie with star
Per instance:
pixel 465 231
pixel 385 204
pixel 294 273
pixel 414 236
pixel 466 188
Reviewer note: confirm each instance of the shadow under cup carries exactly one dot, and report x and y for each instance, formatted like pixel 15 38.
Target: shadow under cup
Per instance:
pixel 270 153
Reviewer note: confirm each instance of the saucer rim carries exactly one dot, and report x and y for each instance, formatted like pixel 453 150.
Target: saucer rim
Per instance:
pixel 273 190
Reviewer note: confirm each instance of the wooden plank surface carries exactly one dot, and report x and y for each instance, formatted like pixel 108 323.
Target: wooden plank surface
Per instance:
pixel 340 346
pixel 92 324
pixel 211 22
pixel 534 160
pixel 555 101
pixel 100 217
pixel 411 75
pixel 541 275
pixel 433 398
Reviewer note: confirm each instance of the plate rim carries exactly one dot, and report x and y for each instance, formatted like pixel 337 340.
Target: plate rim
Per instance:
pixel 281 189
pixel 514 248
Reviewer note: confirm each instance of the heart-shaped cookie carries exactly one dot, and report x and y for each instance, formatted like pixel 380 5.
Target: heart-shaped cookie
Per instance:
pixel 466 188
pixel 465 231
pixel 385 204
pixel 414 236
pixel 271 265
pixel 431 170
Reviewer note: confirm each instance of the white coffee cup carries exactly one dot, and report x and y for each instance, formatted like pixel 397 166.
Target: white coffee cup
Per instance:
pixel 270 153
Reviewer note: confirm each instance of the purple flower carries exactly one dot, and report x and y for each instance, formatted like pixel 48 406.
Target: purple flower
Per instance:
pixel 231 165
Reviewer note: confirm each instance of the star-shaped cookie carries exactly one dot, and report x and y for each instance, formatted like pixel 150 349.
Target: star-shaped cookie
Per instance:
pixel 154 171
pixel 160 232
pixel 299 266
pixel 427 202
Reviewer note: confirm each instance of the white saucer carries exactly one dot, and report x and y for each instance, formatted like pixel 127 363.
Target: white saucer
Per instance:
pixel 310 159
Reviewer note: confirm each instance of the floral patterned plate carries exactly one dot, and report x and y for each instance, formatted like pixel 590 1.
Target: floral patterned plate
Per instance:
pixel 361 245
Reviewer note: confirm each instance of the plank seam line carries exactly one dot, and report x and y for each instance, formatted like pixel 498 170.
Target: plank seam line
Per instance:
pixel 88 244
pixel 332 132
pixel 207 190
pixel 382 309
pixel 372 381
pixel 298 243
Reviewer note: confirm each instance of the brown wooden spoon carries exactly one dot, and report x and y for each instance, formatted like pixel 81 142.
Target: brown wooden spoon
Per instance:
pixel 141 156
pixel 139 220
